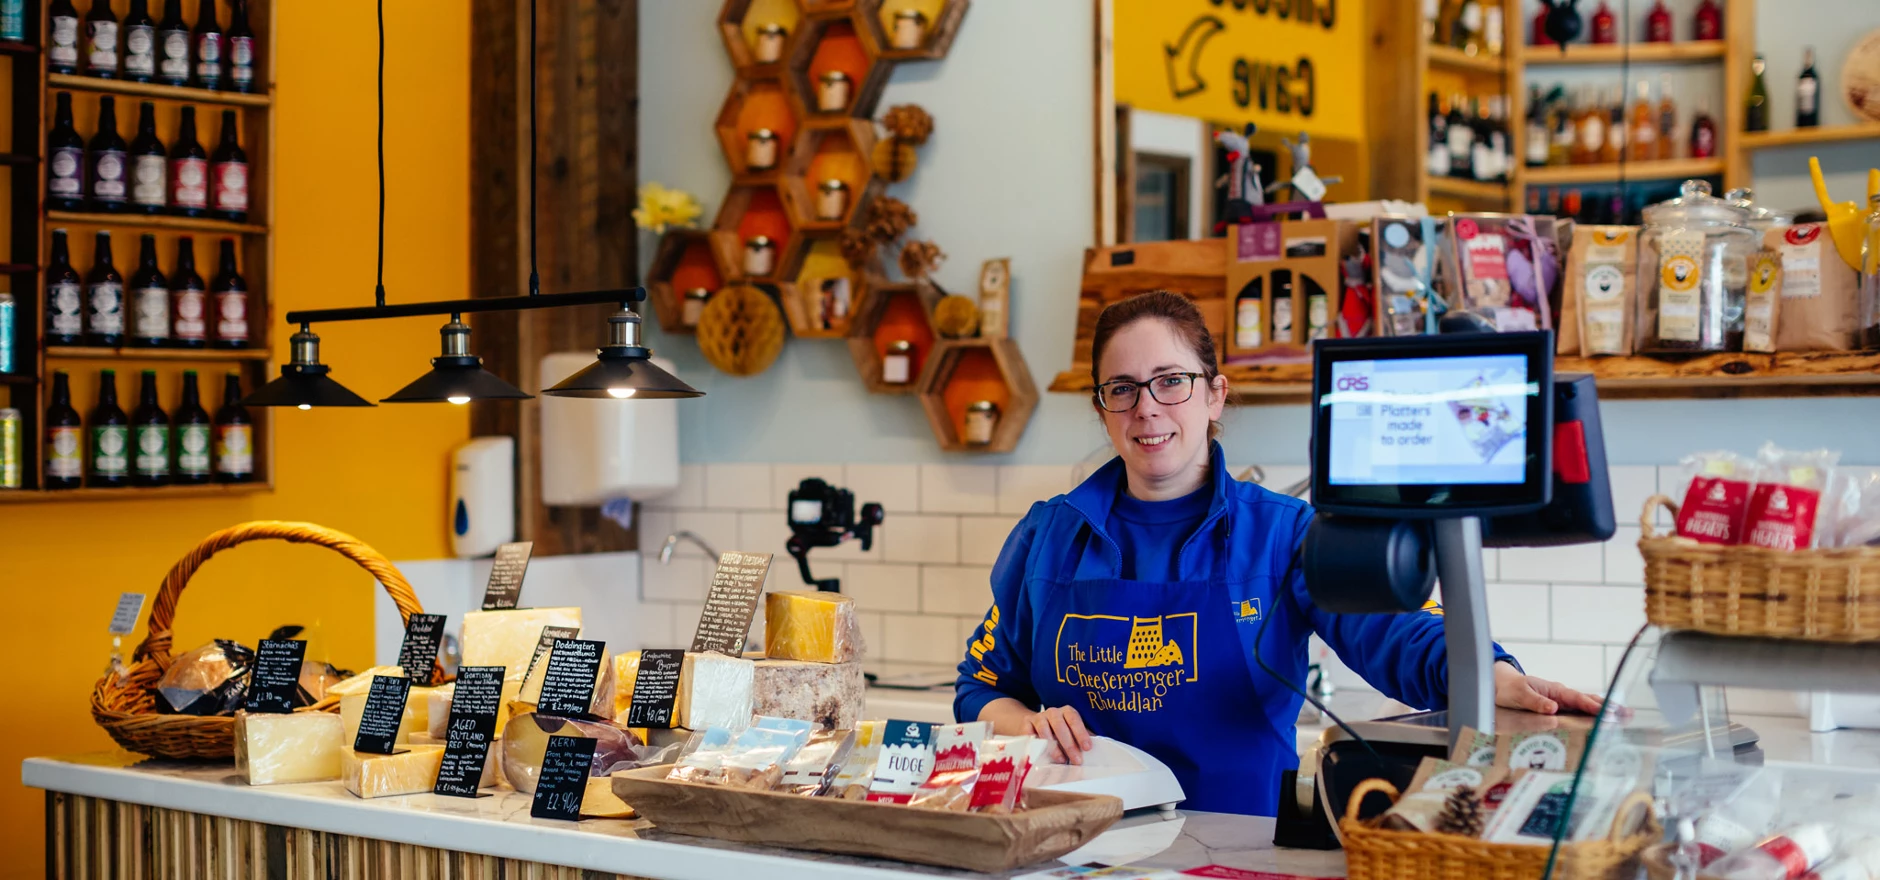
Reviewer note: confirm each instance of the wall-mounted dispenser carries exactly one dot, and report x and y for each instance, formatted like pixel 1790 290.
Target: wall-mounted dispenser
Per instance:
pixel 482 496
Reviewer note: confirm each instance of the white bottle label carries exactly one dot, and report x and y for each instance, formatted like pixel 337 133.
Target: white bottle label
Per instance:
pixel 68 309
pixel 192 325
pixel 150 180
pixel 63 460
pixel 64 180
pixel 175 63
pixel 102 37
pixel 231 316
pixel 108 176
pixel 1247 323
pixel 234 450
pixel 231 186
pixel 1806 93
pixel 110 456
pixel 209 57
pixel 140 43
pixel 106 315
pixel 153 313
pixel 191 180
pixel 192 450
pixel 153 449
pixel 64 50
pixel 241 59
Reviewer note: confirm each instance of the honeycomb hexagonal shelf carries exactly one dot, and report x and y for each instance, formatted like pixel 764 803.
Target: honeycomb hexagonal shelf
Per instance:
pixel 683 262
pixel 830 45
pixel 961 372
pixel 889 313
pixel 908 30
pixel 742 23
pixel 830 151
pixel 821 302
pixel 750 212
pixel 756 106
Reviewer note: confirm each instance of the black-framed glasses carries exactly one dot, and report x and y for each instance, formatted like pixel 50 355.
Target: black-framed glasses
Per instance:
pixel 1168 389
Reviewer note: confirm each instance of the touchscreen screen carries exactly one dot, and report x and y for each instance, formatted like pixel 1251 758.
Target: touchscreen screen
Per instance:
pixel 1429 421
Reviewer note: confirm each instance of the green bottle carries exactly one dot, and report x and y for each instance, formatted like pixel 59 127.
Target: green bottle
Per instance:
pixel 150 437
pixel 1758 118
pixel 110 437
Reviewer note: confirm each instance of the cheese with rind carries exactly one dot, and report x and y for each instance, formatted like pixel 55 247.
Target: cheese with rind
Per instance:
pixel 715 691
pixel 815 626
pixel 525 745
pixel 368 775
pixel 829 694
pixel 295 747
pixel 508 638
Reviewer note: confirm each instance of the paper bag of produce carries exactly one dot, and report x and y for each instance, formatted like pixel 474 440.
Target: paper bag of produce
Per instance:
pixel 1820 291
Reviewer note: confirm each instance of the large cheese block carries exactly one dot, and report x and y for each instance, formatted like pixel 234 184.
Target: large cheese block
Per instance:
pixel 416 719
pixel 362 683
pixel 715 691
pixel 492 760
pixel 368 775
pixel 815 626
pixel 296 747
pixel 437 709
pixel 508 638
pixel 525 745
pixel 829 694
pixel 531 687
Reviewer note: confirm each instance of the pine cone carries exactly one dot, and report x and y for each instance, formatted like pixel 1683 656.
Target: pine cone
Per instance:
pixel 857 248
pixel 1462 813
pixel 888 219
pixel 920 258
pixel 909 123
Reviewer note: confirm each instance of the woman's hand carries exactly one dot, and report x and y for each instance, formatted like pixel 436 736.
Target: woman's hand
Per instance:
pixel 1515 690
pixel 1064 730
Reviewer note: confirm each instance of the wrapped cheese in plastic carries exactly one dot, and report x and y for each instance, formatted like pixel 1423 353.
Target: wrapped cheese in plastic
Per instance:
pixel 1003 762
pixel 292 747
pixel 525 744
pixel 702 758
pixel 757 756
pixel 955 768
pixel 814 767
pixel 858 770
pixel 1712 511
pixel 1785 504
pixel 816 626
pixel 211 680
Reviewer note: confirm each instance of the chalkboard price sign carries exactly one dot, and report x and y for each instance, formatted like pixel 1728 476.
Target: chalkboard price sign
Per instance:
pixel 737 587
pixel 574 665
pixel 385 709
pixel 549 635
pixel 276 681
pixel 423 633
pixel 471 730
pixel 505 587
pixel 563 782
pixel 656 688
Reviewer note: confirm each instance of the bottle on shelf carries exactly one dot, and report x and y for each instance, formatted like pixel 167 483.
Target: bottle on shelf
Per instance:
pixel 241 50
pixel 1808 92
pixel 1538 35
pixel 1707 22
pixel 1482 150
pixel 230 292
pixel 62 45
pixel 228 174
pixel 1440 25
pixel 1565 139
pixel 1591 127
pixel 1538 139
pixel 1667 120
pixel 189 170
pixel 1466 33
pixel 150 299
pixel 140 43
pixel 189 299
pixel 234 435
pixel 150 164
pixel 1615 127
pixel 1703 132
pixel 101 41
pixel 173 40
pixel 13 20
pixel 1494 34
pixel 1658 23
pixel 65 168
pixel 1644 135
pixel 1758 116
pixel 192 429
pixel 107 152
pixel 150 436
pixel 1437 163
pixel 1460 133
pixel 110 436
pixel 65 438
pixel 208 45
pixel 65 297
pixel 1605 25
pixel 104 298
pixel 1250 317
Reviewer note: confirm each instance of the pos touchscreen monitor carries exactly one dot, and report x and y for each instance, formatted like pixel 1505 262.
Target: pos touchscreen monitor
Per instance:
pixel 1431 427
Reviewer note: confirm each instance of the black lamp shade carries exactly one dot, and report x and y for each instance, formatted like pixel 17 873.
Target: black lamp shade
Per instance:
pixel 456 380
pixel 304 386
pixel 618 376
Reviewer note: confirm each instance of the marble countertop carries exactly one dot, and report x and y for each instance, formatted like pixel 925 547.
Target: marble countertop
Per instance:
pixel 500 825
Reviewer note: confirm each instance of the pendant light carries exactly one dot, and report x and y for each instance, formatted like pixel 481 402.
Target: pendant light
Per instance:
pixel 304 383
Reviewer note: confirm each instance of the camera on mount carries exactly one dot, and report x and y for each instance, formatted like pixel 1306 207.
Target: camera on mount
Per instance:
pixel 822 515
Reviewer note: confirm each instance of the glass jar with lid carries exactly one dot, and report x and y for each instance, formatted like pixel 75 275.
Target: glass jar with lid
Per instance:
pixel 1870 279
pixel 1761 217
pixel 1693 272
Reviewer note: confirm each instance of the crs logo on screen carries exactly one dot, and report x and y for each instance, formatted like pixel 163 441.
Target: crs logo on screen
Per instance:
pixel 1353 383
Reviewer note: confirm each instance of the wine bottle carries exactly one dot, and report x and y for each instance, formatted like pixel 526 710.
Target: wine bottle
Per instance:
pixel 65 438
pixel 173 40
pixel 1667 120
pixel 228 174
pixel 110 436
pixel 1615 127
pixel 189 299
pixel 65 172
pixel 107 152
pixel 1539 141
pixel 140 43
pixel 101 41
pixel 1758 116
pixel 230 294
pixel 189 170
pixel 1461 135
pixel 104 297
pixel 62 52
pixel 150 164
pixel 65 296
pixel 208 43
pixel 1644 136
pixel 150 299
pixel 1437 162
pixel 234 435
pixel 150 436
pixel 1703 132
pixel 241 50
pixel 191 427
pixel 1808 92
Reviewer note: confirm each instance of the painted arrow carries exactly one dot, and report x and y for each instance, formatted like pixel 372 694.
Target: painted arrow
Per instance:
pixel 1189 46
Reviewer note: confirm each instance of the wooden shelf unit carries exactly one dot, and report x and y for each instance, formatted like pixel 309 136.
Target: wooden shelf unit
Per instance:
pixel 1686 52
pixel 1798 137
pixel 1456 59
pixel 1651 169
pixel 1477 190
pixel 30 239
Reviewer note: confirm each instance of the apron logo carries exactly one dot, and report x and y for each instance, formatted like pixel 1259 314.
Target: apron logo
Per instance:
pixel 1247 611
pixel 1148 649
pixel 1432 607
pixel 1127 664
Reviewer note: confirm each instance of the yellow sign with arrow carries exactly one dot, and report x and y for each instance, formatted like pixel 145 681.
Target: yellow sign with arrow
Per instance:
pixel 1284 65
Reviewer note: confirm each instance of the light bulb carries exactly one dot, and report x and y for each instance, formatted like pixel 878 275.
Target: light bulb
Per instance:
pixel 620 393
pixel 459 400
pixel 305 406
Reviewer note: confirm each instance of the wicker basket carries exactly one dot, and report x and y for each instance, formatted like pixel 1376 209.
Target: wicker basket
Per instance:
pixel 1373 853
pixel 1818 595
pixel 126 706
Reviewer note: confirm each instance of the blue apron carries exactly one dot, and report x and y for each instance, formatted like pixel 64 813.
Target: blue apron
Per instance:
pixel 1161 666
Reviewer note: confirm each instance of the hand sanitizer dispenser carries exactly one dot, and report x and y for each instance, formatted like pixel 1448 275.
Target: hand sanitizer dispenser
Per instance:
pixel 482 496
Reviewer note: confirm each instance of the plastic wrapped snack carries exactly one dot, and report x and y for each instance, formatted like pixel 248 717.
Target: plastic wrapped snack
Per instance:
pixel 906 759
pixel 1712 512
pixel 702 758
pixel 1786 501
pixel 1789 855
pixel 815 626
pixel 525 744
pixel 1557 749
pixel 315 678
pixel 955 767
pixel 814 767
pixel 1003 762
pixel 1734 805
pixel 293 747
pixel 757 757
pixel 858 770
pixel 211 680
pixel 1423 801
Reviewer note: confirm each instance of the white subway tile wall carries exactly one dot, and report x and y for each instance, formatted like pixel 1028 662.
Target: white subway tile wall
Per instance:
pixel 1566 612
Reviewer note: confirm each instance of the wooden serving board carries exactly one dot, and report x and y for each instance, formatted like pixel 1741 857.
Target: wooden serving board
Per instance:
pixel 1057 823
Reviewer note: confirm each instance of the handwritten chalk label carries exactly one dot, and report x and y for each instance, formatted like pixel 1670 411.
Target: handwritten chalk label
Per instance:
pixel 574 666
pixel 737 586
pixel 505 586
pixel 563 782
pixel 472 728
pixel 276 680
pixel 385 709
pixel 130 606
pixel 549 635
pixel 656 688
pixel 423 633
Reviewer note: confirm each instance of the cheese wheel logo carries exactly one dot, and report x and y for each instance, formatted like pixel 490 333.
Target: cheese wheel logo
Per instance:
pixel 1608 237
pixel 1763 279
pixel 1604 282
pixel 1680 272
pixel 1454 778
pixel 1803 234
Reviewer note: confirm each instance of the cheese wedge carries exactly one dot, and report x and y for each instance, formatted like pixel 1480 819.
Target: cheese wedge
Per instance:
pixel 815 626
pixel 297 747
pixel 626 674
pixel 525 745
pixel 362 683
pixel 829 694
pixel 409 772
pixel 508 638
pixel 437 708
pixel 600 802
pixel 492 761
pixel 417 717
pixel 715 691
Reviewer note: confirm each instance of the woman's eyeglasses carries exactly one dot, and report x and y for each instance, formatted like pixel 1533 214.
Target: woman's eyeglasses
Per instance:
pixel 1168 389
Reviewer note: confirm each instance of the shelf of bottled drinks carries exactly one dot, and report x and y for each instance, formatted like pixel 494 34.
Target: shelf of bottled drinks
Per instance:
pixel 138 311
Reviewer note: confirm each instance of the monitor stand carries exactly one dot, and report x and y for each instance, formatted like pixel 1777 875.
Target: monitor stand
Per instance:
pixel 1465 626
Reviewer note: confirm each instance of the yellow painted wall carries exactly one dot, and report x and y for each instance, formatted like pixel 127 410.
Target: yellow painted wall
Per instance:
pixel 377 473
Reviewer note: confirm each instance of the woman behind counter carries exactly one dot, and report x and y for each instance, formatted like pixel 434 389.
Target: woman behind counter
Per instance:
pixel 1133 606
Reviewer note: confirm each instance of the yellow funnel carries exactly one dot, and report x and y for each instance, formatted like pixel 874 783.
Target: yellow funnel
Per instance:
pixel 1847 222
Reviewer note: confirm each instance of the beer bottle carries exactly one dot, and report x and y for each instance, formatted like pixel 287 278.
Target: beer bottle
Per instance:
pixel 65 296
pixel 62 54
pixel 101 41
pixel 65 444
pixel 189 300
pixel 140 43
pixel 110 436
pixel 150 299
pixel 234 435
pixel 150 433
pixel 228 174
pixel 189 170
pixel 109 179
pixel 192 432
pixel 150 164
pixel 173 46
pixel 65 173
pixel 104 298
pixel 241 50
pixel 208 43
pixel 230 293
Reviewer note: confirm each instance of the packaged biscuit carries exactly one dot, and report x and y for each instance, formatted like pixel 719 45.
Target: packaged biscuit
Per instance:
pixel 1421 803
pixel 1544 750
pixel 1003 763
pixel 907 752
pixel 955 767
pixel 1712 512
pixel 811 771
pixel 1785 503
pixel 1474 748
pixel 858 769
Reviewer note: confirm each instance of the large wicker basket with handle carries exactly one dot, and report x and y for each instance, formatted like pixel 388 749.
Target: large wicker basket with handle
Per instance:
pixel 1817 595
pixel 1373 853
pixel 126 705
